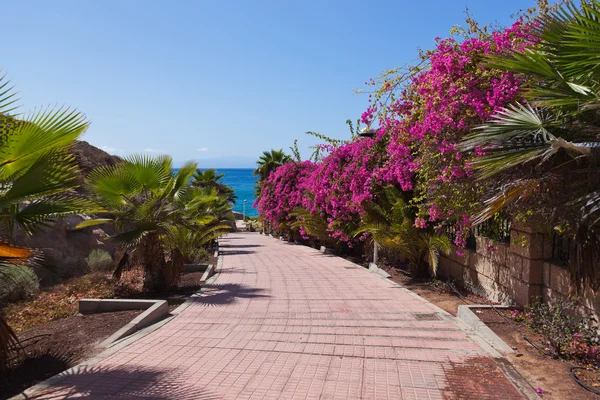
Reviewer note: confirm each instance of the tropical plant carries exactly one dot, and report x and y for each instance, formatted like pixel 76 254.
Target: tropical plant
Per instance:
pixel 388 222
pixel 212 217
pixel 548 148
pixel 269 161
pixel 18 281
pixel 147 202
pixel 209 178
pixel 37 178
pixel 192 243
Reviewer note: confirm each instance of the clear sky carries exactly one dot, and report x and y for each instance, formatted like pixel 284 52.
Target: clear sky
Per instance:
pixel 218 81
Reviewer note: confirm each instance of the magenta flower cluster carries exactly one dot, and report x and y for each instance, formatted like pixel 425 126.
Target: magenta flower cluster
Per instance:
pixel 415 148
pixel 283 192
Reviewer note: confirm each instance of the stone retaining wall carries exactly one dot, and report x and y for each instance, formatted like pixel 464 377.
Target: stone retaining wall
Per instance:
pixel 515 272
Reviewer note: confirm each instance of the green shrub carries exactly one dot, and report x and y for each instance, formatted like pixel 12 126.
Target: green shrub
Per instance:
pixel 17 282
pixel 99 261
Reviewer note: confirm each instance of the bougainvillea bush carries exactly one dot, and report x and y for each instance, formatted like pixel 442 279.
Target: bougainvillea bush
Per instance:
pixel 283 192
pixel 341 184
pixel 420 120
pixel 440 106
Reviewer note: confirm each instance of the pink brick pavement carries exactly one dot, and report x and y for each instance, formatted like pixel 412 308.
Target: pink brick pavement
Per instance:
pixel 287 322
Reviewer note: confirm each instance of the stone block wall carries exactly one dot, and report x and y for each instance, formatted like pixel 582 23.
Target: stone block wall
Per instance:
pixel 556 287
pixel 515 272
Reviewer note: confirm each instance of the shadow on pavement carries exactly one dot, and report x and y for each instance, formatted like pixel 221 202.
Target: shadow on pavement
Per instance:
pixel 220 294
pixel 136 383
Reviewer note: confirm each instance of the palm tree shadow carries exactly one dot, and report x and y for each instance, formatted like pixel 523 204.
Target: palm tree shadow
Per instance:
pixel 217 295
pixel 124 382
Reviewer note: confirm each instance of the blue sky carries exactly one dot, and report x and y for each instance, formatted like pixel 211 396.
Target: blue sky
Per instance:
pixel 218 81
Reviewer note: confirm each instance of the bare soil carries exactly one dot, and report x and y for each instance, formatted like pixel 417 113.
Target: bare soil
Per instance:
pixel 58 345
pixel 540 371
pixel 438 292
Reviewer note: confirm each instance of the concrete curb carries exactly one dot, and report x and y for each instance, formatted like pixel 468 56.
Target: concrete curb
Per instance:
pixel 466 314
pixel 374 268
pixel 155 310
pixel 94 306
pixel 195 267
pixel 327 251
pixel 207 274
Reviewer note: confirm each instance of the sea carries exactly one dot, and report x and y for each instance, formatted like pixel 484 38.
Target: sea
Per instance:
pixel 242 180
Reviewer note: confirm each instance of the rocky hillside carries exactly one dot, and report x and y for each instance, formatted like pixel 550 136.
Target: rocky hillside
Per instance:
pixel 64 247
pixel 89 157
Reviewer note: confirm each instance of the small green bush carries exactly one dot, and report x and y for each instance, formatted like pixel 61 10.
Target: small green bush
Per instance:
pixel 99 261
pixel 17 282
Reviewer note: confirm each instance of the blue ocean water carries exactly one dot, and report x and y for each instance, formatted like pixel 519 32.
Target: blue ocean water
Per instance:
pixel 242 181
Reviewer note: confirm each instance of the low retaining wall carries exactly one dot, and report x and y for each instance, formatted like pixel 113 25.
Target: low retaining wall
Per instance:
pixel 515 272
pixel 155 310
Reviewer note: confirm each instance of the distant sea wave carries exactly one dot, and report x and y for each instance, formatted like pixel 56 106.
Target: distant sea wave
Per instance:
pixel 242 181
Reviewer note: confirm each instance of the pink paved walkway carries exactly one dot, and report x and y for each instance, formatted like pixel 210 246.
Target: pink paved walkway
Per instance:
pixel 286 322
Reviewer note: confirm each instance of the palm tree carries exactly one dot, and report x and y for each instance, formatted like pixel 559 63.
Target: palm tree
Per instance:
pixel 147 202
pixel 210 179
pixel 388 222
pixel 38 176
pixel 269 162
pixel 550 144
pixel 211 217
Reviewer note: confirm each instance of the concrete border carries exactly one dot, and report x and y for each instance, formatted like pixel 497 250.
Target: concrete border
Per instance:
pixel 207 274
pixel 117 344
pixel 94 306
pixel 327 251
pixel 195 267
pixel 466 314
pixel 155 311
pixel 374 268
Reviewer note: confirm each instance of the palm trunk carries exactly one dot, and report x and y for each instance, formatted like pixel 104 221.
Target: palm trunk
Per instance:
pixel 154 264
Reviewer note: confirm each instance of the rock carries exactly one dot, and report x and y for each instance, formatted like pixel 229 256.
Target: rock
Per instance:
pixel 89 157
pixel 64 247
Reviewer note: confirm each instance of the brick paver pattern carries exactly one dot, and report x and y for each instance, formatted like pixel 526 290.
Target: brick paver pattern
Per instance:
pixel 287 322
